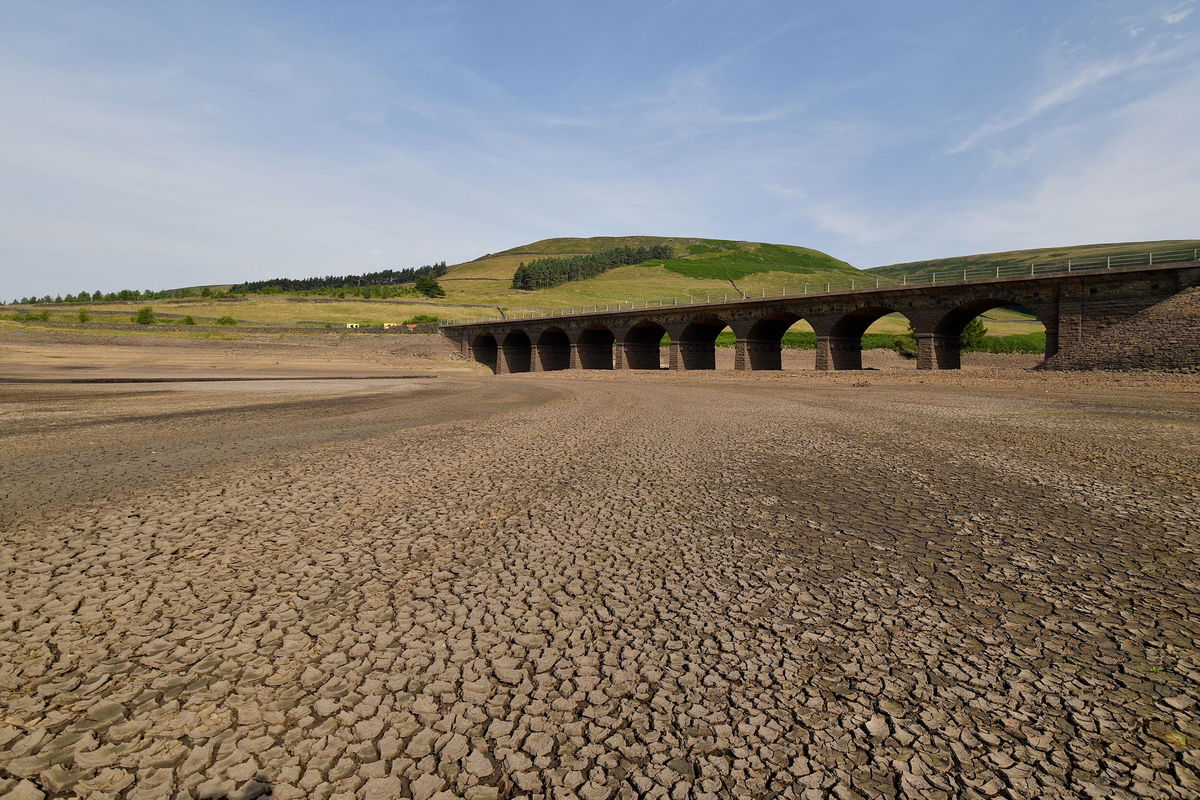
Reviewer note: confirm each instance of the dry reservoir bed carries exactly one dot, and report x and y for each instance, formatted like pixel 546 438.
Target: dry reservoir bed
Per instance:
pixel 690 586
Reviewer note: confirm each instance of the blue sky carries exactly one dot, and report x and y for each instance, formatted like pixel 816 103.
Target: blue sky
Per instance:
pixel 153 145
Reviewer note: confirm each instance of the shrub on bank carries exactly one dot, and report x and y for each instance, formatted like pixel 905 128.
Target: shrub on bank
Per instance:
pixel 226 320
pixel 428 286
pixel 145 316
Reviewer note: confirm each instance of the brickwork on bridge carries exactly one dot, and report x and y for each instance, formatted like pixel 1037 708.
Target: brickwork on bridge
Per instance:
pixel 1083 313
pixel 1165 336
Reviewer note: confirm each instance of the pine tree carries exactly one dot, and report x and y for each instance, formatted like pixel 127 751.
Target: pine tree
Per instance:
pixel 973 334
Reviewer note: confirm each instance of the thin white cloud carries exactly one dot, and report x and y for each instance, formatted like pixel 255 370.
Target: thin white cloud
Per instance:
pixel 1069 88
pixel 1177 15
pixel 1142 184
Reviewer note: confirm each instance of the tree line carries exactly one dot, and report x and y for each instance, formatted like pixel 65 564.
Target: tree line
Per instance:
pixel 125 295
pixel 546 272
pixel 384 277
pixel 381 285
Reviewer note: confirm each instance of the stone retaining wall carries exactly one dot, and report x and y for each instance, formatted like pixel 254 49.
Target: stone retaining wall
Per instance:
pixel 1166 335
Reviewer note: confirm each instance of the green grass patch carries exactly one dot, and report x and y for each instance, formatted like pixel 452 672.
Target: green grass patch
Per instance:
pixel 1016 343
pixel 730 260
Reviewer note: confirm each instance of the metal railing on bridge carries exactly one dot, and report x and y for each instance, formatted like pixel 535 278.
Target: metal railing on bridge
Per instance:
pixel 937 277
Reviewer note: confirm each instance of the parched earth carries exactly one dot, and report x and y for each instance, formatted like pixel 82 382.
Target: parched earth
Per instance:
pixel 604 586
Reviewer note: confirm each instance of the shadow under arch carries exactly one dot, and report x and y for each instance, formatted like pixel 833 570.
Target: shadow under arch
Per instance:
pixel 846 335
pixel 697 342
pixel 643 345
pixel 485 350
pixel 553 350
pixel 595 348
pixel 517 352
pixel 947 333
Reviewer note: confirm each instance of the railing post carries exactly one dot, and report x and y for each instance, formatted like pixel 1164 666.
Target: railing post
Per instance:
pixel 964 274
pixel 1031 269
pixel 877 283
pixel 904 279
pixel 997 270
pixel 852 284
pixel 1108 263
pixel 934 283
pixel 1152 259
pixel 1068 265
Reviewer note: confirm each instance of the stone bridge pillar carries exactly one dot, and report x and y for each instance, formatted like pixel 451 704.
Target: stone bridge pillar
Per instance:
pixel 936 351
pixel 935 348
pixel 675 351
pixel 834 352
pixel 754 354
pixel 619 332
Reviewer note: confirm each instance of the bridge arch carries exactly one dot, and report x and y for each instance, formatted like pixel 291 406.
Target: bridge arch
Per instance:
pixel 485 350
pixel 595 348
pixel 761 344
pixel 553 349
pixel 846 334
pixel 642 345
pixel 517 352
pixel 697 342
pixel 946 341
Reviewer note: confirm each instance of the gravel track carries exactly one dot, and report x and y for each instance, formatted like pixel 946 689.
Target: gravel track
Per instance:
pixel 609 586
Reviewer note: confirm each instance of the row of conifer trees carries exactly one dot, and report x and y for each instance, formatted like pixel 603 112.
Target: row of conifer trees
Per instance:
pixel 385 277
pixel 546 272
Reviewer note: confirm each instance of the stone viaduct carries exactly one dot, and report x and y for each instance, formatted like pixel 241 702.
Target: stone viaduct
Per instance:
pixel 1076 307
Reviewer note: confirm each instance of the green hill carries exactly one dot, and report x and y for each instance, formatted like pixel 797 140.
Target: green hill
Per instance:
pixel 921 270
pixel 699 268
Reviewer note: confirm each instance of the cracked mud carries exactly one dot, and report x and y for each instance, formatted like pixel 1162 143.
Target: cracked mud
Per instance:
pixel 615 586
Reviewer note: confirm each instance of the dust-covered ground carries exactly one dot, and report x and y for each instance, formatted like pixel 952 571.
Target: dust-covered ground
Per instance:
pixel 886 583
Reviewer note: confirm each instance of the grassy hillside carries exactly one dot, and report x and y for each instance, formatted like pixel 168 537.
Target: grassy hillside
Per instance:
pixel 701 267
pixel 923 269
